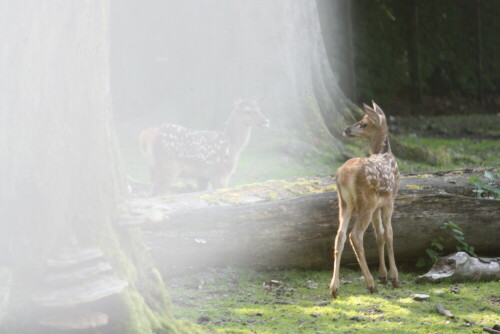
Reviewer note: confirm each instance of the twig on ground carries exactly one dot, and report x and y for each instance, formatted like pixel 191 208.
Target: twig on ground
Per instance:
pixel 444 312
pixel 490 330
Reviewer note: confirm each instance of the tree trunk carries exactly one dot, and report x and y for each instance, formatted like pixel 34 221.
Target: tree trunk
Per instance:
pixel 285 224
pixel 190 73
pixel 64 265
pixel 351 65
pixel 336 27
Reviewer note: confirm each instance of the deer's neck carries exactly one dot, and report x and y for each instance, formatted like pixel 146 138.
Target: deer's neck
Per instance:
pixel 238 134
pixel 380 144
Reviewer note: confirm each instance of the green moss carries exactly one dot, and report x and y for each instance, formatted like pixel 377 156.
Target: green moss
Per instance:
pixel 144 306
pixel 421 176
pixel 269 191
pixel 415 187
pixel 210 199
pixel 272 196
pixel 236 303
pixel 140 319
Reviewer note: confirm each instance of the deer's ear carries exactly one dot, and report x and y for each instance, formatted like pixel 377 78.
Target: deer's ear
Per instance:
pixel 373 115
pixel 377 109
pixel 367 108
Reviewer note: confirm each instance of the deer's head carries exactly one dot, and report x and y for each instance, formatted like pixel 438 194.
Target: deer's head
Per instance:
pixel 372 124
pixel 248 113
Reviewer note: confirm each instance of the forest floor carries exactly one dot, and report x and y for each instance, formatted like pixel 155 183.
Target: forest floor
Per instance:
pixel 229 300
pixel 246 301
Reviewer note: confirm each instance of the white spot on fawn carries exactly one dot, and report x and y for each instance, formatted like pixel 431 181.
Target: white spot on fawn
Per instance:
pixel 203 146
pixel 380 170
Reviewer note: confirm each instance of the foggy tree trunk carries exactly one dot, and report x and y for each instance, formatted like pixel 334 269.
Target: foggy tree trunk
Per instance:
pixel 191 72
pixel 336 26
pixel 60 181
pixel 351 77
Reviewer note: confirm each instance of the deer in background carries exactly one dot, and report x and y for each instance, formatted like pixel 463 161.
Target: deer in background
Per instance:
pixel 368 186
pixel 211 157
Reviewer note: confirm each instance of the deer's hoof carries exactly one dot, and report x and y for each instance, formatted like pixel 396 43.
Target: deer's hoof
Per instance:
pixel 383 279
pixel 334 292
pixel 373 289
pixel 395 282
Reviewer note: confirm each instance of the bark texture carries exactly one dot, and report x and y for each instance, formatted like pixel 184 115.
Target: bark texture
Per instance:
pixel 247 227
pixel 63 263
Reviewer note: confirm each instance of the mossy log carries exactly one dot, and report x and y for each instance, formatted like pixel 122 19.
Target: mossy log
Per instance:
pixel 291 224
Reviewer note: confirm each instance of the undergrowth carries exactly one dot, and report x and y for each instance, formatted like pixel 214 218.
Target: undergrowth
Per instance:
pixel 487 186
pixel 436 248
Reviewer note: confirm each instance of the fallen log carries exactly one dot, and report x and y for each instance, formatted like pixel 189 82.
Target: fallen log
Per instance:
pixel 291 224
pixel 461 267
pixel 443 311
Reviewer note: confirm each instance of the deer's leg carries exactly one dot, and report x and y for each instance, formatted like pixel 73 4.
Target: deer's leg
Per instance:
pixel 356 238
pixel 386 220
pixel 379 235
pixel 345 213
pixel 203 183
pixel 219 181
pixel 161 185
pixel 165 177
pixel 152 174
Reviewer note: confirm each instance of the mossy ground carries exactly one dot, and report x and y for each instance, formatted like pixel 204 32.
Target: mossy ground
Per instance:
pixel 234 301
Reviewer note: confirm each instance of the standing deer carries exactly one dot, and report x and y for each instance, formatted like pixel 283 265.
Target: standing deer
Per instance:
pixel 211 157
pixel 368 186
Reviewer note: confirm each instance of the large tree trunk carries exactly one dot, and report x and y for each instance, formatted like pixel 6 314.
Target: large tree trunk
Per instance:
pixel 63 262
pixel 336 25
pixel 275 225
pixel 190 73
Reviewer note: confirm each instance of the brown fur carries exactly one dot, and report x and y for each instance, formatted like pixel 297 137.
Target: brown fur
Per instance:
pixel 367 186
pixel 147 138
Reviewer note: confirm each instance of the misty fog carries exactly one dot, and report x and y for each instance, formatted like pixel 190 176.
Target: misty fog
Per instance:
pixel 74 72
pixel 186 63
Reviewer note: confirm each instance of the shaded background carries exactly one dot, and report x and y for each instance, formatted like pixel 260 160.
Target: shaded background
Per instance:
pixel 176 59
pixel 185 62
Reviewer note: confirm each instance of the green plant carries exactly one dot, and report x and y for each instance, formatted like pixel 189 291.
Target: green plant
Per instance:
pixel 435 251
pixel 458 234
pixel 486 188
